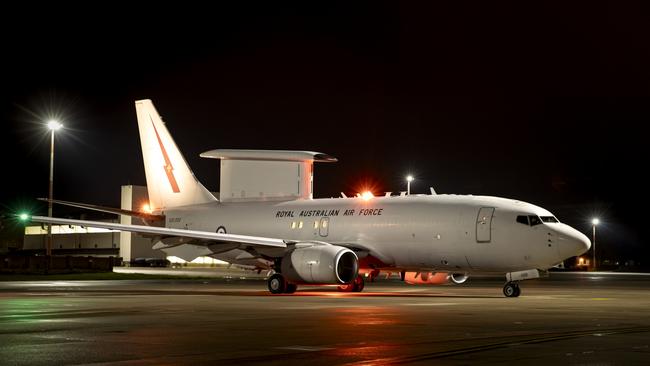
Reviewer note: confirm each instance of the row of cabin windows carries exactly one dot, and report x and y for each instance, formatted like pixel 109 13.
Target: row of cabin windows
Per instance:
pixel 533 220
pixel 299 224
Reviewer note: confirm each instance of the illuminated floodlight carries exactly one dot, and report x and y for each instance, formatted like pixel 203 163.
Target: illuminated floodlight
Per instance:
pixel 409 179
pixel 54 125
pixel 23 217
pixel 367 195
pixel 594 222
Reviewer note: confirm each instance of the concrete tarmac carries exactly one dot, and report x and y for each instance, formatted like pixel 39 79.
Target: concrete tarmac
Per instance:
pixel 568 319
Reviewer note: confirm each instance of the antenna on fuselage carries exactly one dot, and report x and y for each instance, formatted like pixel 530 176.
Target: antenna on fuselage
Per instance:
pixel 433 191
pixel 343 195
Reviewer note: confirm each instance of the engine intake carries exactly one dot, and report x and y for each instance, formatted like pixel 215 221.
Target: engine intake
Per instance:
pixel 458 278
pixel 320 264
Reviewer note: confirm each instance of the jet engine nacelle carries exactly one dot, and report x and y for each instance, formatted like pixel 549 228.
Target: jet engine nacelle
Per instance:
pixel 458 278
pixel 320 264
pixel 433 278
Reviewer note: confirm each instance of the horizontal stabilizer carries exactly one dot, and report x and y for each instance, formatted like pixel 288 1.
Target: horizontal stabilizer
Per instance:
pixel 117 211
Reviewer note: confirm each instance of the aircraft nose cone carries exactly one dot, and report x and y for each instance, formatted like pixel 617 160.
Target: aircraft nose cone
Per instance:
pixel 581 242
pixel 572 241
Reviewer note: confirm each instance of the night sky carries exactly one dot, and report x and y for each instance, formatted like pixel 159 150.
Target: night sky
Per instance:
pixel 546 104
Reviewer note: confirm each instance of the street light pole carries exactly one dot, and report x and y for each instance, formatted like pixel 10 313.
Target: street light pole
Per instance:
pixel 594 222
pixel 53 126
pixel 409 179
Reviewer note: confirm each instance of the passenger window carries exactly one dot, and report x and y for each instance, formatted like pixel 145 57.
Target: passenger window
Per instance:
pixel 522 220
pixel 534 220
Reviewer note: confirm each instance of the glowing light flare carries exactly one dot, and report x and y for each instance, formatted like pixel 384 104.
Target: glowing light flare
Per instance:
pixel 146 208
pixel 23 217
pixel 595 221
pixel 54 125
pixel 409 178
pixel 366 195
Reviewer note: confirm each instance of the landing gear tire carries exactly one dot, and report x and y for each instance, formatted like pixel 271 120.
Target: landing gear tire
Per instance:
pixel 358 284
pixel 355 286
pixel 511 289
pixel 277 284
pixel 291 288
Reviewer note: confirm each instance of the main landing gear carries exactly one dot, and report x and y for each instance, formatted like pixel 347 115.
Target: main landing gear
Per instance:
pixel 279 285
pixel 511 289
pixel 355 286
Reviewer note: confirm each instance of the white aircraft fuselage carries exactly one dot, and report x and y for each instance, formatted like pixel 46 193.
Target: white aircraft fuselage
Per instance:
pixel 417 232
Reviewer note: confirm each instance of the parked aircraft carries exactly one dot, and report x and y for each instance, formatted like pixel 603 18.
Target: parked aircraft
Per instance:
pixel 428 239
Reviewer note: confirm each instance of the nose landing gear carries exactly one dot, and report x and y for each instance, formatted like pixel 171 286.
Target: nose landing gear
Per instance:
pixel 511 289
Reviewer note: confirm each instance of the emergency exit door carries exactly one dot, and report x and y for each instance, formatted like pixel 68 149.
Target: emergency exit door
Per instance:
pixel 484 225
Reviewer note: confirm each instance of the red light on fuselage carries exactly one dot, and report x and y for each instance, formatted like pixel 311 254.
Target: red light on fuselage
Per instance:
pixel 366 195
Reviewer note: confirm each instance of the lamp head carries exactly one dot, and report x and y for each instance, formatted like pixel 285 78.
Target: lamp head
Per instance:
pixel 54 125
pixel 595 221
pixel 409 178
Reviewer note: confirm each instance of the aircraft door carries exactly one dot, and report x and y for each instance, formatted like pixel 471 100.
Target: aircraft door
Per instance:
pixel 324 226
pixel 484 225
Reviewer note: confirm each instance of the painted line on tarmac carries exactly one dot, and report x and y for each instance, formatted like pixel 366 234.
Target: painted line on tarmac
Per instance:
pixel 305 348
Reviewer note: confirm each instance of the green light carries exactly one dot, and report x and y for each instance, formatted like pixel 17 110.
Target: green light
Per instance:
pixel 23 217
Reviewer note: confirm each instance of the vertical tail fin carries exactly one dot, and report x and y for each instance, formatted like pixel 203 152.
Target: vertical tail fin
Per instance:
pixel 170 180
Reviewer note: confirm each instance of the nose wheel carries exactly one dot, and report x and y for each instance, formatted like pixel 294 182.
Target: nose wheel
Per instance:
pixel 511 289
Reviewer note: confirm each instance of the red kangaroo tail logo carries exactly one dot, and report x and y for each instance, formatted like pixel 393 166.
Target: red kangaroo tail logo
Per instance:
pixel 169 169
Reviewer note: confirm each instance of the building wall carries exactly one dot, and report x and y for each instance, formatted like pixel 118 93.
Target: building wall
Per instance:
pixel 133 245
pixel 73 241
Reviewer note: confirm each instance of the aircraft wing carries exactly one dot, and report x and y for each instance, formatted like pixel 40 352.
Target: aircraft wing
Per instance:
pixel 195 234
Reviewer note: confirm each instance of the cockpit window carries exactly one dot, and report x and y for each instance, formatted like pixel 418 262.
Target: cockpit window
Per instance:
pixel 549 219
pixel 522 219
pixel 534 220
